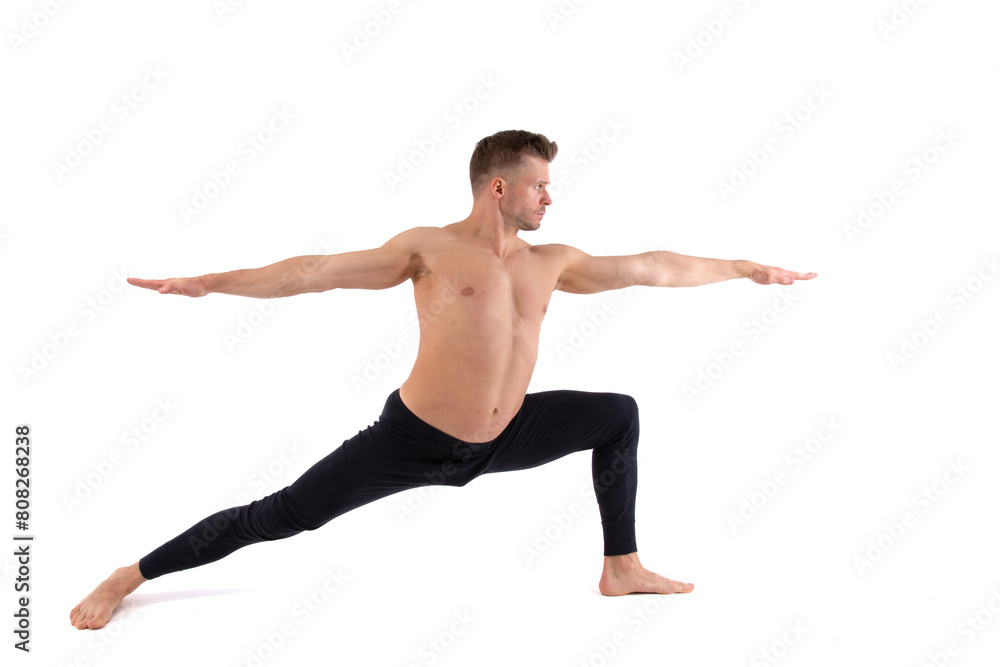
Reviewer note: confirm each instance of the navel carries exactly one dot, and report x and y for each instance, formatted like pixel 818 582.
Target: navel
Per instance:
pixel 468 291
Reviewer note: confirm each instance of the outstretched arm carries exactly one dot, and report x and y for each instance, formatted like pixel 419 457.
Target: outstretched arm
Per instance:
pixel 586 274
pixel 379 268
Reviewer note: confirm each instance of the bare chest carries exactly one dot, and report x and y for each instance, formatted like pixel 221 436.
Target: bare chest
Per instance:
pixel 486 288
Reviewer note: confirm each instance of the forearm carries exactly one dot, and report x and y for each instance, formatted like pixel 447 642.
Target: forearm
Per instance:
pixel 671 269
pixel 285 278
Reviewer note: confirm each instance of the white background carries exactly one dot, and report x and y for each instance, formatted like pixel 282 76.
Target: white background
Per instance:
pixel 672 132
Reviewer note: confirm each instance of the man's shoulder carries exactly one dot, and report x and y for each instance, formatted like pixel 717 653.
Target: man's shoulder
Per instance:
pixel 553 249
pixel 423 231
pixel 416 237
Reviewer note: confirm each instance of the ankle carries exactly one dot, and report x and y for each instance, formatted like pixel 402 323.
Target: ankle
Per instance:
pixel 623 564
pixel 128 577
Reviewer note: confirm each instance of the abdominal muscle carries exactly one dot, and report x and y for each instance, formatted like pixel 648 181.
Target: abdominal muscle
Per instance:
pixel 469 404
pixel 474 361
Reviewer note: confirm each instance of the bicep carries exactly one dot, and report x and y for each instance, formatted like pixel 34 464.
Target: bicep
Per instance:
pixel 377 268
pixel 586 274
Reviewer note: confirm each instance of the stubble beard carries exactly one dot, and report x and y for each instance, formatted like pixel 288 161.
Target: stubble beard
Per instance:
pixel 518 221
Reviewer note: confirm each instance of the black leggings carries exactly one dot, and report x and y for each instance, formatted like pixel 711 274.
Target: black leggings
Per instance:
pixel 400 452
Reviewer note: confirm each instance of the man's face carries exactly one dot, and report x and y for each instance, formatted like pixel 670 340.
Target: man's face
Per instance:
pixel 524 201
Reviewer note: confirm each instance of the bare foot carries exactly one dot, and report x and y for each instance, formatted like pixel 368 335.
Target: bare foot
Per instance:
pixel 95 609
pixel 625 574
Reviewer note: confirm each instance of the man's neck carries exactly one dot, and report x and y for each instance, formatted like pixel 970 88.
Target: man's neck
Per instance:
pixel 492 230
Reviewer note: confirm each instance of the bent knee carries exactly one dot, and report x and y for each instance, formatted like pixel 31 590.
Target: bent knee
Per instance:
pixel 624 409
pixel 628 407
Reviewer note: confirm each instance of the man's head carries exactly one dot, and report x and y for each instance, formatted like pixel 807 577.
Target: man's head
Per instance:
pixel 511 168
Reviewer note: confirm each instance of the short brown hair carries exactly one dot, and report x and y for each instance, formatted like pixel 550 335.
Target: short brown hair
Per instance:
pixel 504 153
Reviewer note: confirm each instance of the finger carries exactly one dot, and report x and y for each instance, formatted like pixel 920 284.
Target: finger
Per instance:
pixel 148 284
pixel 788 277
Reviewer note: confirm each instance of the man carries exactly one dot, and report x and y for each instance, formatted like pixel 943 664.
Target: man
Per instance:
pixel 481 293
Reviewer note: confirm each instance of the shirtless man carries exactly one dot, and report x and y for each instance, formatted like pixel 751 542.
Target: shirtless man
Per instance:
pixel 481 293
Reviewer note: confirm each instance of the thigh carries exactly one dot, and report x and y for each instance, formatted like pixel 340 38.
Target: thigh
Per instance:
pixel 373 464
pixel 553 424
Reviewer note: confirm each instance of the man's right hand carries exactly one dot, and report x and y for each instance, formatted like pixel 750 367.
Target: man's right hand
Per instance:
pixel 183 286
